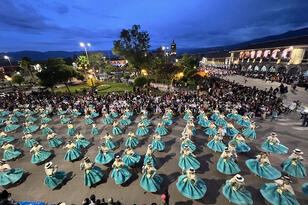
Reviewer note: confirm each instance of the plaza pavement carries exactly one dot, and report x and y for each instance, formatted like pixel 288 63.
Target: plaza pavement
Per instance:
pixel 32 188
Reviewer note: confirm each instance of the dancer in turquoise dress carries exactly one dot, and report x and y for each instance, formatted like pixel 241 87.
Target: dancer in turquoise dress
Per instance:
pixel 204 121
pixel 262 167
pixel 73 153
pixel 80 141
pixel 114 113
pixel 45 119
pixel 161 130
pixel 13 119
pixel 9 175
pixel 53 140
pixel 17 113
pixel 216 144
pixel 241 146
pixel 116 130
pixel 46 130
pixel 108 119
pixel 166 121
pixel 245 122
pixel 215 115
pixel 29 118
pixel 250 132
pixel 39 154
pixel 128 113
pixel 150 180
pixel 187 160
pixel 230 130
pixel 4 113
pixel 149 156
pixel 94 130
pixel 233 115
pixel 54 178
pixel 29 128
pixel 169 113
pixel 94 114
pixel 201 115
pixel 188 114
pixel 305 188
pixel 190 128
pixel 88 120
pixel 10 153
pixel 132 141
pixel 272 144
pixel 279 192
pixel 211 130
pixel 61 111
pixel 120 174
pixel 235 191
pixel 109 142
pixel 76 112
pixel 190 185
pixel 92 174
pixel 187 141
pixel 64 119
pixel 5 138
pixel 141 130
pixel 145 113
pixel 157 143
pixel 29 141
pixel 130 158
pixel 221 120
pixel 145 121
pixel 293 166
pixel 71 130
pixel 125 121
pixel 226 164
pixel 104 156
pixel 10 127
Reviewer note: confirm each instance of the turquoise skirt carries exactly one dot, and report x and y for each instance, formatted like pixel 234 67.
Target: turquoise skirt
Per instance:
pixel 186 117
pixel 243 123
pixel 46 131
pixel 104 158
pixel 14 119
pixel 234 116
pixel 167 122
pixel 170 116
pixel 114 114
pixel 132 142
pixel 94 115
pixel 210 131
pixel 45 120
pixel 71 131
pixel 6 139
pixel 110 144
pixel 129 114
pixel 231 132
pixel 249 133
pixel 141 131
pixel 76 113
pixel 31 119
pixel 158 145
pixel 65 120
pixel 31 129
pixel 89 121
pixel 151 184
pixel 295 169
pixel 220 121
pixel 40 157
pixel 242 197
pixel 11 128
pixel 94 131
pixel 116 131
pixel 55 142
pixel 11 154
pixel 146 122
pixel 93 176
pixel 266 171
pixel 120 175
pixel 204 123
pixel 19 114
pixel 275 148
pixel 54 181
pixel 187 162
pixel 62 112
pixel 131 160
pixel 305 188
pixel 216 146
pixel 82 143
pixel 125 122
pixel 152 159
pixel 270 193
pixel 240 146
pixel 214 116
pixel 161 131
pixel 72 154
pixel 200 116
pixel 10 177
pixel 191 146
pixel 4 113
pixel 30 143
pixel 189 189
pixel 228 167
pixel 108 120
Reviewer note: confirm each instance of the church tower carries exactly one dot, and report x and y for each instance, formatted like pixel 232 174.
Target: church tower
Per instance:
pixel 173 48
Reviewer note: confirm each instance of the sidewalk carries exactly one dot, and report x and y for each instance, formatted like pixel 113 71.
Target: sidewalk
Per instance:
pixel 300 94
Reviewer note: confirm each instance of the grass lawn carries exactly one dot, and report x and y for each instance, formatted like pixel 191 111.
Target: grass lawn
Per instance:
pixel 103 88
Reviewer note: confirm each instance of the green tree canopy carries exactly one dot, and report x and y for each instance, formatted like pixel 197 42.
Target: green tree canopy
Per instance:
pixel 96 60
pixel 109 68
pixel 17 79
pixel 132 46
pixel 25 63
pixel 189 65
pixel 83 62
pixel 140 81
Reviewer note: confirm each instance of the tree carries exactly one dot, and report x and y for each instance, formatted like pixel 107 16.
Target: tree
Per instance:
pixel 109 68
pixel 140 81
pixel 132 46
pixel 17 79
pixel 25 63
pixel 96 60
pixel 189 65
pixel 83 63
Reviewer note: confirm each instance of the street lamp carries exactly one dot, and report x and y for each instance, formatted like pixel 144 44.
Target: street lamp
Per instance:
pixel 82 44
pixel 7 58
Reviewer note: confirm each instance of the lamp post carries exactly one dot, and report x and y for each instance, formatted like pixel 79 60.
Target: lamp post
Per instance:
pixel 7 58
pixel 82 44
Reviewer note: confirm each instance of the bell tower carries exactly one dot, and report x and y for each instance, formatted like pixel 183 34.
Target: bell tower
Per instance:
pixel 173 48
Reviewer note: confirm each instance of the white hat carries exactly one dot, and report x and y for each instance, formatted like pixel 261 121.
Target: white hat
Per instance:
pixel 298 151
pixel 48 165
pixel 149 146
pixel 191 169
pixel 239 178
pixel 274 133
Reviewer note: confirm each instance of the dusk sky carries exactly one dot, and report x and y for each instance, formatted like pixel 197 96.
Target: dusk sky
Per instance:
pixel 48 25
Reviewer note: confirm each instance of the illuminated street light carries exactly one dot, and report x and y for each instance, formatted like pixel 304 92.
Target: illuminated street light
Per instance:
pixel 7 58
pixel 82 44
pixel 89 44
